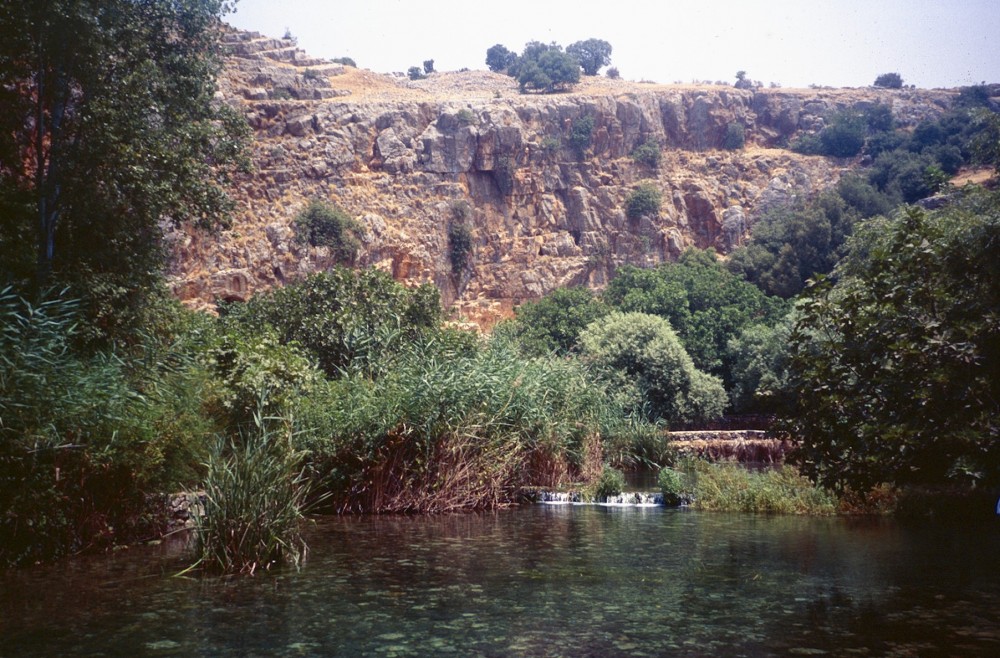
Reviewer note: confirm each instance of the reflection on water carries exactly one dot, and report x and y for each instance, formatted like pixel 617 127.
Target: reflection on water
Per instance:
pixel 540 581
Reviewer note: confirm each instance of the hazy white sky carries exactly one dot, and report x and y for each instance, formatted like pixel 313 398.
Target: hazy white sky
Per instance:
pixel 842 43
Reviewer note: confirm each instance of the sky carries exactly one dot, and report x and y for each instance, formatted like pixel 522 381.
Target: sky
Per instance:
pixel 839 43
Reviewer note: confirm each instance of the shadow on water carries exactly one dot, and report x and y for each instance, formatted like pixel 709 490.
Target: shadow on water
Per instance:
pixel 538 581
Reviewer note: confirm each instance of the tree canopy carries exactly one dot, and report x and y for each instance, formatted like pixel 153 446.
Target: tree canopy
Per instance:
pixel 894 365
pixel 109 130
pixel 592 54
pixel 544 67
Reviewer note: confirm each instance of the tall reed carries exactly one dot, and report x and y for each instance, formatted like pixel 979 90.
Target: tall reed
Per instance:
pixel 254 496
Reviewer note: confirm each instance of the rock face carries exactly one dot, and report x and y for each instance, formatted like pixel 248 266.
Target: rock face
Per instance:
pixel 544 209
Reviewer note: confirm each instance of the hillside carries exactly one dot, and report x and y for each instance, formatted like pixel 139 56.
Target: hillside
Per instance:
pixel 407 158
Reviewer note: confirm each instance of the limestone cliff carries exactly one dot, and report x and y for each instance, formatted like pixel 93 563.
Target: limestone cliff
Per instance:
pixel 404 157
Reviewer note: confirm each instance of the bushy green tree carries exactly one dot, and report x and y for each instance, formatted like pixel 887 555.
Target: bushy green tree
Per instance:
pixel 110 129
pixel 544 68
pixel 792 243
pixel 592 54
pixel 498 57
pixel 894 365
pixel 647 153
pixel 553 323
pixel 705 304
pixel 347 320
pixel 889 81
pixel 641 352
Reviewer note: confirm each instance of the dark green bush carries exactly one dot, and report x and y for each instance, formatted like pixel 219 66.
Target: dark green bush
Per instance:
pixel 644 200
pixel 325 225
pixel 415 73
pixel 735 138
pixel 581 134
pixel 611 482
pixel 592 54
pixel 459 245
pixel 647 153
pixel 498 58
pixel 889 81
pixel 674 487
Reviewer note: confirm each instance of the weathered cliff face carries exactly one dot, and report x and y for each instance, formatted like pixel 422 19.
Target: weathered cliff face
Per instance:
pixel 406 158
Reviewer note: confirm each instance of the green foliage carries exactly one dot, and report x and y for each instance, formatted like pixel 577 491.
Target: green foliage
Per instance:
pixel 647 153
pixel 889 81
pixel 83 436
pixel 735 138
pixel 415 73
pixel 346 61
pixel 613 73
pixel 644 200
pixel 254 497
pixel 345 320
pixel 459 245
pixel 673 485
pixel 255 367
pixel 553 323
pixel 498 58
pixel 742 81
pixel 792 243
pixel 544 68
pixel 611 482
pixel 453 426
pixel 758 370
pixel 581 134
pixel 428 66
pixel 111 126
pixel 894 366
pixel 325 225
pixel 730 487
pixel 986 143
pixel 640 356
pixel 703 302
pixel 591 54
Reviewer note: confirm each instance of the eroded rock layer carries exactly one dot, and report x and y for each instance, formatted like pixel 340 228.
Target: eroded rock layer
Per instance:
pixel 408 158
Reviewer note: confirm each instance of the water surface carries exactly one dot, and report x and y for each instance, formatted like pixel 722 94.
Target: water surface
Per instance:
pixel 539 581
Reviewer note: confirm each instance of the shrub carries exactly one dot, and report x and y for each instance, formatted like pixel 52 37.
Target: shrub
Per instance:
pixel 643 201
pixel 581 133
pixel 647 153
pixel 641 356
pixel 889 81
pixel 674 487
pixel 428 66
pixel 459 245
pixel 735 137
pixel 613 73
pixel 324 225
pixel 346 320
pixel 414 73
pixel 465 117
pixel 554 322
pixel 730 487
pixel 611 482
pixel 346 61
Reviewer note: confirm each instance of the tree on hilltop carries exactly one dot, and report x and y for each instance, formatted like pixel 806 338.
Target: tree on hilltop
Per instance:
pixel 544 67
pixel 498 57
pixel 592 54
pixel 889 81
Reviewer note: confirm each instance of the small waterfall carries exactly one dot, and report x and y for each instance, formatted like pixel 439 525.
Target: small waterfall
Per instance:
pixel 629 499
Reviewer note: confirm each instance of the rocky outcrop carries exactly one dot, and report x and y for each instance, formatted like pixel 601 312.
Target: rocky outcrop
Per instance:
pixel 403 157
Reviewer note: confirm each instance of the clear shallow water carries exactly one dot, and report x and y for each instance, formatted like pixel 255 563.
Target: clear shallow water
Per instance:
pixel 539 581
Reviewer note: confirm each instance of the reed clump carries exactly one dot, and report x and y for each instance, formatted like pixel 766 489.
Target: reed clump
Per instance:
pixel 255 492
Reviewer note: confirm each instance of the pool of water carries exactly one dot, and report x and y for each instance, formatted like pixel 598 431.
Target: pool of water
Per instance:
pixel 538 581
